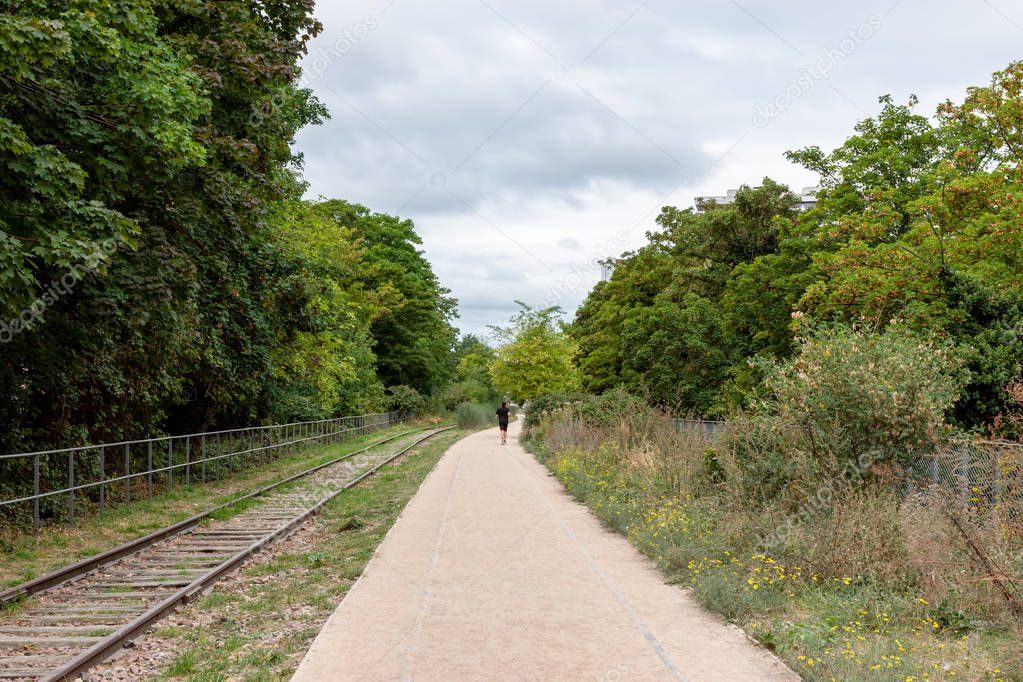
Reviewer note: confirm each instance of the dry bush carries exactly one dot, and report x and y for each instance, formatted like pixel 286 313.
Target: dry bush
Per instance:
pixel 767 462
pixel 563 432
pixel 935 552
pixel 860 534
pixel 675 460
pixel 964 553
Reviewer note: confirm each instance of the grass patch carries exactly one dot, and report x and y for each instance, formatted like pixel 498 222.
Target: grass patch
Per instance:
pixel 183 664
pixel 300 588
pixel 24 555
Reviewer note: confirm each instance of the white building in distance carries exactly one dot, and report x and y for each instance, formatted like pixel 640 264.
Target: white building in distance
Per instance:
pixel 807 199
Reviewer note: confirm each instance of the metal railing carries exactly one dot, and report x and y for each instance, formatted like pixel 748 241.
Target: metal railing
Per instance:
pixel 108 473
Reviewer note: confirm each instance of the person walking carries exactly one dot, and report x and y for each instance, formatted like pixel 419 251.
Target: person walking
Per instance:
pixel 502 420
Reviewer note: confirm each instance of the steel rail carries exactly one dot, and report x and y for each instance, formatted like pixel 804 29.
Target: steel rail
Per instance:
pixel 110 644
pixel 71 571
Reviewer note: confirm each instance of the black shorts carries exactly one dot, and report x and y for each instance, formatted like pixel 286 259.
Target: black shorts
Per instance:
pixel 503 425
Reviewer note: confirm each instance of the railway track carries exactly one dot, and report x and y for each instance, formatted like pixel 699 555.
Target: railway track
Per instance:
pixel 80 615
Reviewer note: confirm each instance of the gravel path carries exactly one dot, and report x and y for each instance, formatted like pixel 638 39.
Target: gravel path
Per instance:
pixel 494 572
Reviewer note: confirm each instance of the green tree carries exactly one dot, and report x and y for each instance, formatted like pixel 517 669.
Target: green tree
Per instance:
pixel 850 402
pixel 95 102
pixel 473 383
pixel 323 360
pixel 659 326
pixel 535 357
pixel 410 312
pixel 918 221
pixel 938 243
pixel 147 160
pixel 133 127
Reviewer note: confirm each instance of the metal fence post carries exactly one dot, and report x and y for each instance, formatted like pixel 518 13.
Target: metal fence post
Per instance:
pixel 188 461
pixel 35 491
pixel 149 470
pixel 170 463
pixel 203 455
pixel 71 488
pixel 102 478
pixel 127 472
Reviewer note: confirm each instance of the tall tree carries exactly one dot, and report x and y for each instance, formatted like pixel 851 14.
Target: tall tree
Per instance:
pixel 410 311
pixel 142 144
pixel 658 326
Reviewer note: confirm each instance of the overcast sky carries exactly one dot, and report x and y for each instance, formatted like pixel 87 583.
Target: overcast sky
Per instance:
pixel 529 139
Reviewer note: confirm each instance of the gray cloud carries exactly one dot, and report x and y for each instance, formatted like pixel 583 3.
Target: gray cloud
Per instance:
pixel 521 136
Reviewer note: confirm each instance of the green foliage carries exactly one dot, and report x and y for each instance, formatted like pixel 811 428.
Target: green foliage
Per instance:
pixel 154 245
pixel 546 405
pixel 474 416
pixel 472 382
pixel 918 221
pixel 921 222
pixel 464 391
pixel 409 312
pixel 850 403
pixel 610 409
pixel 406 399
pixel 96 99
pixel 536 356
pixel 661 325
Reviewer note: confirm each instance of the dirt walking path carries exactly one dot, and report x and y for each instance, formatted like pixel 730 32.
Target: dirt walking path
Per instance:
pixel 494 572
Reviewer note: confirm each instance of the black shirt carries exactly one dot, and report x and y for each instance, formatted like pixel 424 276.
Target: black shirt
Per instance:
pixel 502 416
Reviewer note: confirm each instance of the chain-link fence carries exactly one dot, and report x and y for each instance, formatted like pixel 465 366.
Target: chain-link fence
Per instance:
pixel 976 491
pixel 983 479
pixel 707 428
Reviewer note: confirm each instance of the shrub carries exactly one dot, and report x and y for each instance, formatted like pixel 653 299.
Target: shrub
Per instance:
pixel 468 391
pixel 406 399
pixel 538 408
pixel 612 408
pixel 866 402
pixel 474 415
